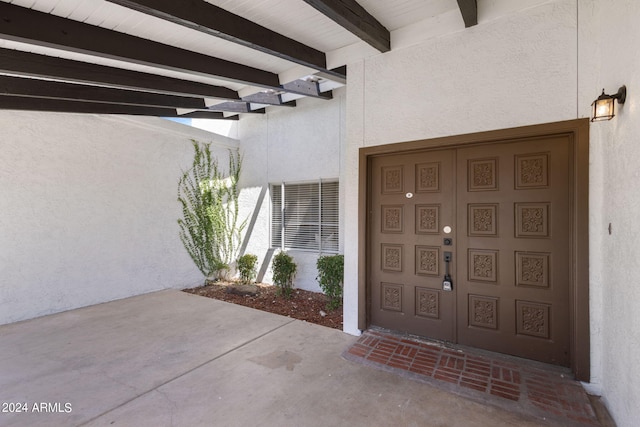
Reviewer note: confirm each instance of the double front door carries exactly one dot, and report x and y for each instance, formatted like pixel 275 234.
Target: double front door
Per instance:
pixel 493 221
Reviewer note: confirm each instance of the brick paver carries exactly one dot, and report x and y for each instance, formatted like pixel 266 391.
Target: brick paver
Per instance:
pixel 547 391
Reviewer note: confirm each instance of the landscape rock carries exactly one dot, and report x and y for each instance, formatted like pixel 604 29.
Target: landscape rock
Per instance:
pixel 244 290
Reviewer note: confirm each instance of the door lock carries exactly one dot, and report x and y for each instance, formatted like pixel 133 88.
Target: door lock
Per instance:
pixel 447 283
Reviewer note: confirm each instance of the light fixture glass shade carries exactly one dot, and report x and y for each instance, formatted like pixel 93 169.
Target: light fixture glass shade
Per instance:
pixel 603 108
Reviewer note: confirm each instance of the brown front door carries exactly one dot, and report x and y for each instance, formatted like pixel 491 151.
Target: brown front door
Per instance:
pixel 501 211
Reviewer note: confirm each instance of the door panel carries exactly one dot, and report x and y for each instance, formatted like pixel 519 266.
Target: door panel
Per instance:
pixel 513 248
pixel 508 207
pixel 410 204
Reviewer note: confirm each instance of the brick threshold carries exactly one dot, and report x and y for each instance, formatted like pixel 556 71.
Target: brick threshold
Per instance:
pixel 531 388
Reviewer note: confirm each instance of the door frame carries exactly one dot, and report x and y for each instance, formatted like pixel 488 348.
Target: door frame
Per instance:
pixel 578 133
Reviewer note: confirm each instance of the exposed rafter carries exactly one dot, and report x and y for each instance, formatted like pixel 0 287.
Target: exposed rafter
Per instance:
pixel 236 107
pixel 35 88
pixel 213 20
pixel 30 26
pixel 34 65
pixel 66 106
pixel 268 98
pixel 49 83
pixel 469 10
pixel 307 88
pixel 342 71
pixel 106 84
pixel 350 15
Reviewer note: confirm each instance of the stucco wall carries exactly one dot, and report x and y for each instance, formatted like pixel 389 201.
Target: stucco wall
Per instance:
pixel 543 63
pixel 608 59
pixel 288 145
pixel 88 210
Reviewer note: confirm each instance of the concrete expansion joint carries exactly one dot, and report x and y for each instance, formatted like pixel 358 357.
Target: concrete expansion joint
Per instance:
pixel 172 405
pixel 156 388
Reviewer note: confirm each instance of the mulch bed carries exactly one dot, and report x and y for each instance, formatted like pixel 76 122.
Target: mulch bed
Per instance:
pixel 303 305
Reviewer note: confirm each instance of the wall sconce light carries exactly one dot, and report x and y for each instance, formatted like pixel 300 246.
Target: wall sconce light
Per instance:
pixel 604 106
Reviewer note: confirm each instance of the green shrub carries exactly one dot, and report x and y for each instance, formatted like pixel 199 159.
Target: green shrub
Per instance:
pixel 284 270
pixel 330 277
pixel 247 267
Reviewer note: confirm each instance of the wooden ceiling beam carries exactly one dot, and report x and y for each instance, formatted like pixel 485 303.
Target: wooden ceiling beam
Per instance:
pixel 43 29
pixel 350 15
pixel 207 18
pixel 35 65
pixel 307 88
pixel 469 10
pixel 35 88
pixel 67 106
pixel 209 115
pixel 235 107
pixel 268 98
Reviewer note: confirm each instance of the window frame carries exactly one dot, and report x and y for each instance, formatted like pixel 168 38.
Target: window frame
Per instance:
pixel 278 212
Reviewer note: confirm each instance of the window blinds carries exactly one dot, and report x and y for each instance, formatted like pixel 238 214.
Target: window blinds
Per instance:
pixel 305 216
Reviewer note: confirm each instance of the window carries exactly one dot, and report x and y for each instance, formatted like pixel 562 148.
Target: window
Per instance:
pixel 305 216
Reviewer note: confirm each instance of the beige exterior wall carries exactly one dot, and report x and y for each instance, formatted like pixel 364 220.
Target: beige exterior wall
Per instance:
pixel 609 38
pixel 88 209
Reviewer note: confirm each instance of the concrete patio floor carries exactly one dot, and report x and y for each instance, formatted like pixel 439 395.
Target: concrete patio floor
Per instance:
pixel 175 359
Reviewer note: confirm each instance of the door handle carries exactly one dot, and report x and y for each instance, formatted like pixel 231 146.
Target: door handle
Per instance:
pixel 447 283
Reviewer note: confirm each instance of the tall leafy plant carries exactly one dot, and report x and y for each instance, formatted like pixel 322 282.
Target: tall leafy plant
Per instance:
pixel 210 228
